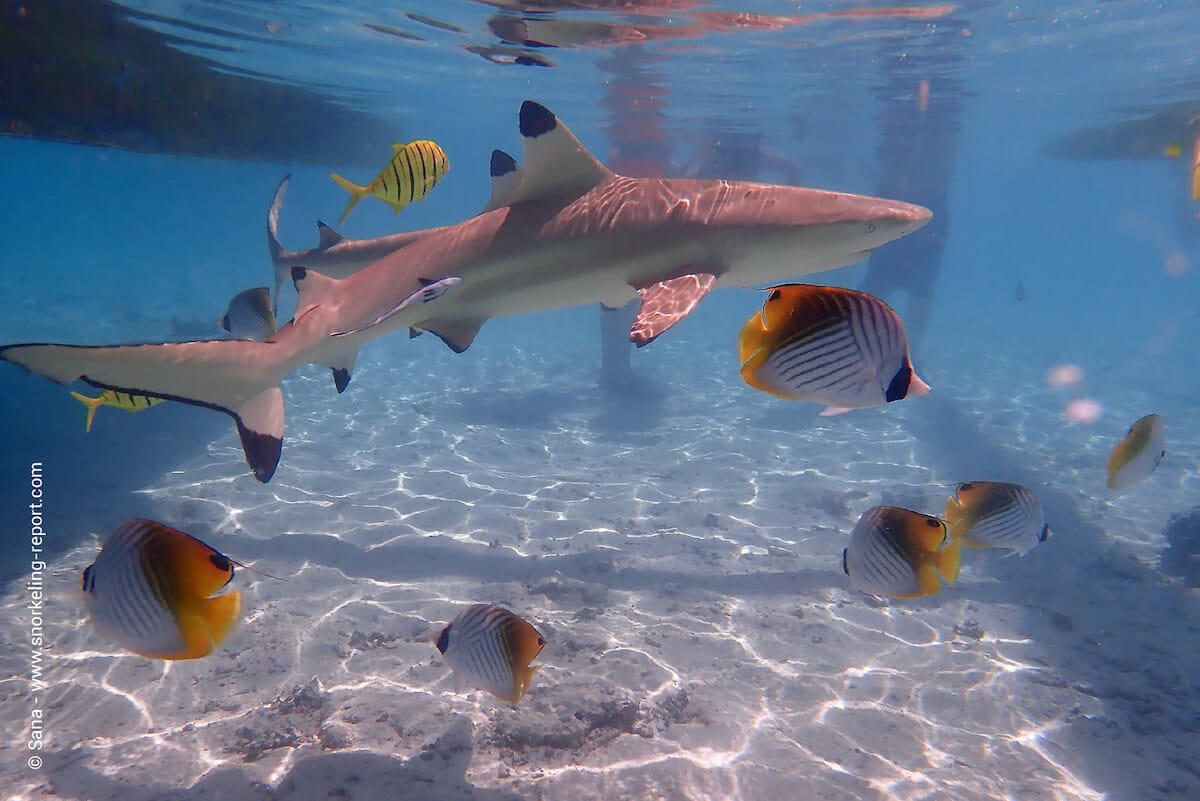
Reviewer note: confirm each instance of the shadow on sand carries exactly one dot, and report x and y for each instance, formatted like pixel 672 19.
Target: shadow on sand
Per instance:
pixel 437 773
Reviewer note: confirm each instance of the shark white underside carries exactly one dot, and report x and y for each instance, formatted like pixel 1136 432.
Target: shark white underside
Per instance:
pixel 561 231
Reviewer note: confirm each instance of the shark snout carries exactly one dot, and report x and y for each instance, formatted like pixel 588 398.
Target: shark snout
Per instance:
pixel 910 215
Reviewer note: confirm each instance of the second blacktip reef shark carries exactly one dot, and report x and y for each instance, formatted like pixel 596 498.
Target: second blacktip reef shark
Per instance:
pixel 561 231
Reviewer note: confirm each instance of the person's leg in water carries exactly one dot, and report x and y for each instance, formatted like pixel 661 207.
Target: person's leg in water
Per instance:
pixel 635 100
pixel 918 148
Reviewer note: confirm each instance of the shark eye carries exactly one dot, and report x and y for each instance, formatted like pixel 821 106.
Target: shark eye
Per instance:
pixel 870 227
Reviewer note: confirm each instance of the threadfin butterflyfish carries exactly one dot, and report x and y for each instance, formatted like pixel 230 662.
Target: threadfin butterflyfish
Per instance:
pixel 414 170
pixel 839 347
pixel 126 401
pixel 1138 453
pixel 993 514
pixel 490 648
pixel 152 591
pixel 249 315
pixel 899 553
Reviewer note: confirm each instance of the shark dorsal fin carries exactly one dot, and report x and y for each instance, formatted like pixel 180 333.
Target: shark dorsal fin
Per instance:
pixel 506 181
pixel 328 237
pixel 312 288
pixel 556 163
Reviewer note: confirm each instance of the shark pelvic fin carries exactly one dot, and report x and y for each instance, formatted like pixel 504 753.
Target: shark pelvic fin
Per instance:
pixel 557 165
pixel 506 181
pixel 666 303
pixel 457 334
pixel 342 365
pixel 328 237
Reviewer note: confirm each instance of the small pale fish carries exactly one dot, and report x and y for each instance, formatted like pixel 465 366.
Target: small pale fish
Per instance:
pixel 992 514
pixel 414 170
pixel 126 401
pixel 490 648
pixel 899 553
pixel 1196 168
pixel 834 346
pixel 151 591
pixel 430 290
pixel 249 315
pixel 1135 457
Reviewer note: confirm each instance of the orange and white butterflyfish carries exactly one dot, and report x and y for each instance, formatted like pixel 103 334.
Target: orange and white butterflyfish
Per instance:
pixel 414 170
pixel 151 591
pixel 839 347
pixel 126 401
pixel 898 553
pixel 249 315
pixel 490 648
pixel 1136 456
pixel 993 514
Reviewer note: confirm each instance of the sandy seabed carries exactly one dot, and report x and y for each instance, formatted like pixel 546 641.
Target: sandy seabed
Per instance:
pixel 681 552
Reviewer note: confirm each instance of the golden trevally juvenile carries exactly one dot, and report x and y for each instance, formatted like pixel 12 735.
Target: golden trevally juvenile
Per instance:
pixel 249 315
pixel 151 591
pixel 1136 456
pixel 414 170
pixel 899 553
pixel 839 347
pixel 993 514
pixel 126 401
pixel 490 648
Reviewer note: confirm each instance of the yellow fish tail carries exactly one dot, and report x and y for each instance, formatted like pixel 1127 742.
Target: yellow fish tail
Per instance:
pixel 948 561
pixel 206 623
pixel 357 193
pixel 955 518
pixel 92 405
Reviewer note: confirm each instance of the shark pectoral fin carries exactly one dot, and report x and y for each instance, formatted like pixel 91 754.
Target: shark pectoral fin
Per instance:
pixel 457 334
pixel 666 303
pixel 557 165
pixel 221 374
pixel 327 237
pixel 506 181
pixel 260 426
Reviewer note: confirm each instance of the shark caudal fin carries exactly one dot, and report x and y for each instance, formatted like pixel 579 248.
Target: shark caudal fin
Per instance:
pixel 219 374
pixel 275 249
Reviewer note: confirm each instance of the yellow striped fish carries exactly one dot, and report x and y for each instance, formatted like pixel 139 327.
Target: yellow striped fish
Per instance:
pixel 838 347
pixel 490 648
pixel 151 590
pixel 899 553
pixel 1138 453
pixel 118 400
pixel 414 170
pixel 992 514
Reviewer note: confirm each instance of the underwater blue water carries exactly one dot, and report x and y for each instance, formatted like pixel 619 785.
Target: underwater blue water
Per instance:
pixel 1048 261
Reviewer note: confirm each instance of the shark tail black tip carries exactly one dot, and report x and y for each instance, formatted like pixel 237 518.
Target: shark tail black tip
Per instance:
pixel 536 120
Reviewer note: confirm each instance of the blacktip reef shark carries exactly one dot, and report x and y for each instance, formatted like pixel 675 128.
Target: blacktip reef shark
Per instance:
pixel 561 231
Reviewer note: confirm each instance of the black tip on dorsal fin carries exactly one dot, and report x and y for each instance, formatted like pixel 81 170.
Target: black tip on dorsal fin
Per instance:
pixel 413 333
pixel 502 163
pixel 536 120
pixel 341 379
pixel 327 237
pixel 298 273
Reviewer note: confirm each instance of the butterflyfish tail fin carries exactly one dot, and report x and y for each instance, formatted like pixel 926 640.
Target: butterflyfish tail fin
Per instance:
pixel 206 623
